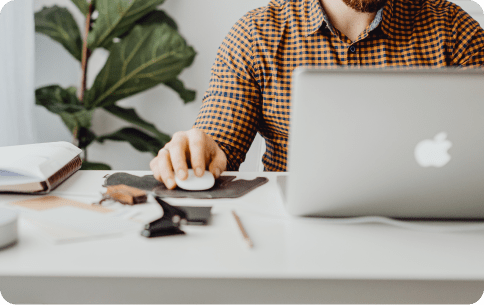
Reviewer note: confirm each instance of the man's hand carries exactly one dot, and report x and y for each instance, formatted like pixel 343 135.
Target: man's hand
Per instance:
pixel 192 148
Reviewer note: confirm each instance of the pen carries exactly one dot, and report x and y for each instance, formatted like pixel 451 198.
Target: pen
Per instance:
pixel 242 230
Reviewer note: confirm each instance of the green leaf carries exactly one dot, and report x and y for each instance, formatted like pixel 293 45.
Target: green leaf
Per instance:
pixel 57 23
pixel 78 119
pixel 117 17
pixel 157 17
pixel 72 91
pixel 82 5
pixel 57 99
pixel 64 103
pixel 186 94
pixel 94 166
pixel 147 57
pixel 138 139
pixel 85 137
pixel 130 115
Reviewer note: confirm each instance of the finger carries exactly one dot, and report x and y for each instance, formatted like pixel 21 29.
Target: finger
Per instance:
pixel 178 155
pixel 154 168
pixel 165 169
pixel 198 151
pixel 219 163
pixel 154 165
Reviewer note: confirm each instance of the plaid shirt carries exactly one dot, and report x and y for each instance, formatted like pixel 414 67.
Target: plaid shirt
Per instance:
pixel 250 84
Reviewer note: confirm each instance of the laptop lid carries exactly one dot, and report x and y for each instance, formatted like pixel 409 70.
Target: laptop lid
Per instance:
pixel 396 143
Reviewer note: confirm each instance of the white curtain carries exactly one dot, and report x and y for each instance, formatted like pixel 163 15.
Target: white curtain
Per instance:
pixel 17 61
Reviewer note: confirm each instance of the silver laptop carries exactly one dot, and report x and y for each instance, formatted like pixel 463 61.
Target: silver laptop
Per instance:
pixel 396 143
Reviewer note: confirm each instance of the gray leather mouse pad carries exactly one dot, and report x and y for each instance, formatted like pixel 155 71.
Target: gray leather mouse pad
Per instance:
pixel 225 186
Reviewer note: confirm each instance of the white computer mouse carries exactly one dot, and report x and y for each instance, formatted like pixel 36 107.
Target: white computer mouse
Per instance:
pixel 194 183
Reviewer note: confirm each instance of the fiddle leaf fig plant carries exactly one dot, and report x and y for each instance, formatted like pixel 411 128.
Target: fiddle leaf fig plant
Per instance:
pixel 145 50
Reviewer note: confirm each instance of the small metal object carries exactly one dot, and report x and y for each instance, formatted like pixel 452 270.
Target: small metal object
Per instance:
pixel 169 224
pixel 124 194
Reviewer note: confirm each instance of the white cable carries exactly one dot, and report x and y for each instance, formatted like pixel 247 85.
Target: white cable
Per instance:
pixel 409 224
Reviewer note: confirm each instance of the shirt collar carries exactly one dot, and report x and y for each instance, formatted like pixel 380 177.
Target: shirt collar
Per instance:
pixel 399 17
pixel 316 18
pixel 387 18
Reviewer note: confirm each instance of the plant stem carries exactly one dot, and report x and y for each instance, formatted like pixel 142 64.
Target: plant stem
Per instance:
pixel 85 154
pixel 85 53
pixel 74 136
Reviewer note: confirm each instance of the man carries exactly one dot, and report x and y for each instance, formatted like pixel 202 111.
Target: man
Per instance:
pixel 249 89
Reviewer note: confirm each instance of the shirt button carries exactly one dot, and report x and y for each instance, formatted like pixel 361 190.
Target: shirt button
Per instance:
pixel 352 49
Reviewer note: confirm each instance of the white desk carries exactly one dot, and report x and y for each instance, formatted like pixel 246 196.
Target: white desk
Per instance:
pixel 294 260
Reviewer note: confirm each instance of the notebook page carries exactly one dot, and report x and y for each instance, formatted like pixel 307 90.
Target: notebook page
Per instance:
pixel 63 220
pixel 37 160
pixel 9 178
pixel 68 223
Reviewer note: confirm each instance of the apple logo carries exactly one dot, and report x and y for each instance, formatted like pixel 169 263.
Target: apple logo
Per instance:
pixel 433 152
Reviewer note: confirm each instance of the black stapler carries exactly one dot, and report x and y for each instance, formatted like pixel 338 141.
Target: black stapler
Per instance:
pixel 169 224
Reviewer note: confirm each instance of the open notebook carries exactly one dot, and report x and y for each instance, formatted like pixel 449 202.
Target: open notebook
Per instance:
pixel 37 168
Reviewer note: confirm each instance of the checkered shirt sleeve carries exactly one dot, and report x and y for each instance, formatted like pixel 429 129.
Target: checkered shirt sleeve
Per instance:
pixel 231 107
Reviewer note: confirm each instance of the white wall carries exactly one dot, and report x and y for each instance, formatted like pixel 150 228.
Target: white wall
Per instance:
pixel 203 23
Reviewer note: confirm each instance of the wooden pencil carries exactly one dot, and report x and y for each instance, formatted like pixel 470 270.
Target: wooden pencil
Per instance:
pixel 242 230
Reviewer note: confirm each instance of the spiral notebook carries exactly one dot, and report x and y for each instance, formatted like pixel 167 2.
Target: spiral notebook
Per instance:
pixel 37 168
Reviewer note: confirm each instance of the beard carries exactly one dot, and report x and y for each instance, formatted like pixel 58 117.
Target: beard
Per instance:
pixel 365 6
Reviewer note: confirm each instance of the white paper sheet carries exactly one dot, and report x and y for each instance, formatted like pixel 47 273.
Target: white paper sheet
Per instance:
pixel 37 160
pixel 64 224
